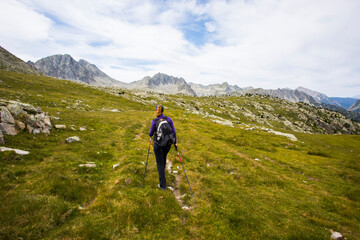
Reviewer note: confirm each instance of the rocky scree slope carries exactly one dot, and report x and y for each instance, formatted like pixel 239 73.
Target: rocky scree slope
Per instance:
pixel 251 111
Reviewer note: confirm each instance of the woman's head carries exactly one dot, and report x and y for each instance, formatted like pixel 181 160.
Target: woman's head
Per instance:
pixel 159 110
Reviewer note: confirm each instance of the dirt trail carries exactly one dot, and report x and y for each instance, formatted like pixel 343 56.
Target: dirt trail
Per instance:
pixel 175 189
pixel 140 131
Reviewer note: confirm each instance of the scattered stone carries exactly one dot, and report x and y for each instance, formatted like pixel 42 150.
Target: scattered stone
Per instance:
pixel 18 151
pixel 175 171
pixel 73 139
pixel 83 129
pixel 116 165
pixel 185 208
pixel 171 188
pixel 60 126
pixel 90 165
pixel 256 159
pixel 336 235
pixel 55 118
pixel 128 181
pixel 72 128
pixel 143 163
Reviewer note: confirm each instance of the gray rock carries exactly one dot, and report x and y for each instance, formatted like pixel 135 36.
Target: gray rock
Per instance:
pixel 18 151
pixel 90 165
pixel 47 122
pixel 336 235
pixel 8 129
pixel 73 139
pixel 29 108
pixel 45 130
pixel 20 125
pixel 31 120
pixel 60 126
pixel 36 131
pixel 2 140
pixel 6 116
pixel 30 128
pixel 15 109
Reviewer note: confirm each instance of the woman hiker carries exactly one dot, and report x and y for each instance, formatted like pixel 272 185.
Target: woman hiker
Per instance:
pixel 165 136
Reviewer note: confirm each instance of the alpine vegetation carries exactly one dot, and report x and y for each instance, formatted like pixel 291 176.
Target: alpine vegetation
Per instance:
pixel 247 167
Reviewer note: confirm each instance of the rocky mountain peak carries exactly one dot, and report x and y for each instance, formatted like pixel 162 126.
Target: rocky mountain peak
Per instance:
pixel 66 67
pixel 161 82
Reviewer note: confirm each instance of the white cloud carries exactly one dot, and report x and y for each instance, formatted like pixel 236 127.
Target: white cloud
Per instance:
pixel 261 43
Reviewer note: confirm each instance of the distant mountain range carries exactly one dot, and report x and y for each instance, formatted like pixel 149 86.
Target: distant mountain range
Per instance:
pixel 65 67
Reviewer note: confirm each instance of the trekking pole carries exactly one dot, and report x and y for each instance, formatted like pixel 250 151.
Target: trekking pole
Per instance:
pixel 185 173
pixel 146 162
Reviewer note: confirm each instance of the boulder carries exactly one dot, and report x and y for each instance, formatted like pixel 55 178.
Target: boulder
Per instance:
pixel 73 139
pixel 8 129
pixel 5 116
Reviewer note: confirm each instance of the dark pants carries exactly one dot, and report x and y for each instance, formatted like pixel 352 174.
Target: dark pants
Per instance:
pixel 160 154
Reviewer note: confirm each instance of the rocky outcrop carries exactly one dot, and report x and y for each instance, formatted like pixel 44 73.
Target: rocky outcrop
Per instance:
pixel 16 117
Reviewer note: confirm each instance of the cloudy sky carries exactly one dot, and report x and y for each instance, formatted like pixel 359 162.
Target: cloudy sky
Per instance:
pixel 260 43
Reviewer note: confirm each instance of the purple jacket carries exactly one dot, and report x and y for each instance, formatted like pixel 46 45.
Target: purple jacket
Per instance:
pixel 153 126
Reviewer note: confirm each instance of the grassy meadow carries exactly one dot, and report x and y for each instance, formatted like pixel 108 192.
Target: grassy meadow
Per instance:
pixel 247 184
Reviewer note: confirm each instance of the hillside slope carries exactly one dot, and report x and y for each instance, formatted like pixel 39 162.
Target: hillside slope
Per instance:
pixel 249 183
pixel 10 62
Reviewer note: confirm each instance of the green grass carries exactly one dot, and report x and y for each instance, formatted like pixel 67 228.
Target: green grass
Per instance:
pixel 297 190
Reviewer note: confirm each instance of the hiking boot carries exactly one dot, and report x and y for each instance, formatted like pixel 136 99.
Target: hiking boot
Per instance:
pixel 161 187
